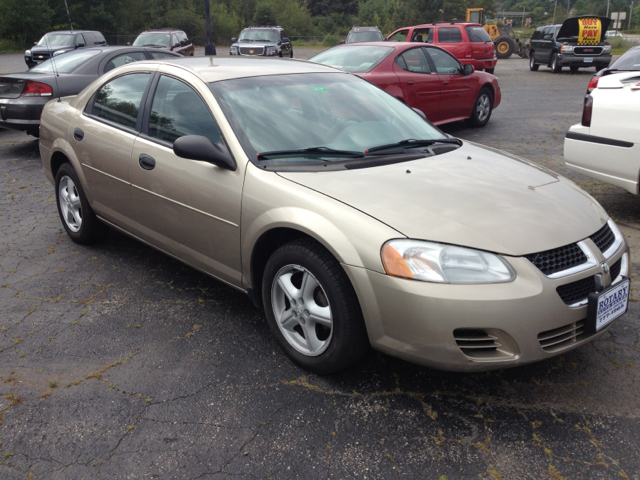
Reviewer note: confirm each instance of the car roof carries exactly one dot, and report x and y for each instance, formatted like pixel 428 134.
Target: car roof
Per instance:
pixel 365 29
pixel 447 24
pixel 72 31
pixel 161 30
pixel 215 69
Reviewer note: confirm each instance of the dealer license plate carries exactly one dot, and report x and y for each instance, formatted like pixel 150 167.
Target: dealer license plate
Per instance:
pixel 588 59
pixel 606 306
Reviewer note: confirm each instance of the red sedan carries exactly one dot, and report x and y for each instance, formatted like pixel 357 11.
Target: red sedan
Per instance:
pixel 424 77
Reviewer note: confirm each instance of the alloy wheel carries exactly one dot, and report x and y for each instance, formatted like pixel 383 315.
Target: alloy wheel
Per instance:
pixel 483 107
pixel 70 206
pixel 302 310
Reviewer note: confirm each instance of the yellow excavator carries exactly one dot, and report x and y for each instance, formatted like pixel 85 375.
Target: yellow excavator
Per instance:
pixel 505 40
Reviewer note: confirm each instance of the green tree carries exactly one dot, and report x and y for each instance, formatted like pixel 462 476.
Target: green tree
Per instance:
pixel 25 20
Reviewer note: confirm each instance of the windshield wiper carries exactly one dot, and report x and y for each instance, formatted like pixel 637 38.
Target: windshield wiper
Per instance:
pixel 412 142
pixel 154 45
pixel 324 151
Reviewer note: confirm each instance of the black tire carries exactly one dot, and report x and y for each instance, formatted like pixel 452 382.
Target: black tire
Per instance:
pixel 280 54
pixel 490 70
pixel 89 229
pixel 573 69
pixel 479 115
pixel 555 66
pixel 505 46
pixel 345 341
pixel 34 132
pixel 291 53
pixel 599 68
pixel 533 66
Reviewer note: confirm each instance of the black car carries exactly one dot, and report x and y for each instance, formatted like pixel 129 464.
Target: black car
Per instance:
pixel 23 95
pixel 558 46
pixel 169 38
pixel 56 43
pixel 364 34
pixel 629 61
pixel 265 40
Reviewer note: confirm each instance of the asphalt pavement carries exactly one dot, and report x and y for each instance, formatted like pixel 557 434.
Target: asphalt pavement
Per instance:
pixel 117 362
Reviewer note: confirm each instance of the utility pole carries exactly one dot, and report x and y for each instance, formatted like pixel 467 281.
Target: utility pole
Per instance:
pixel 68 14
pixel 568 7
pixel 554 12
pixel 209 48
pixel 608 2
pixel 522 17
pixel 630 13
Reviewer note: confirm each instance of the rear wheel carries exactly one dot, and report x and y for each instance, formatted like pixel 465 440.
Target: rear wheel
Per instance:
pixel 555 64
pixel 76 214
pixel 312 309
pixel 291 54
pixel 505 46
pixel 489 70
pixel 34 132
pixel 482 108
pixel 533 66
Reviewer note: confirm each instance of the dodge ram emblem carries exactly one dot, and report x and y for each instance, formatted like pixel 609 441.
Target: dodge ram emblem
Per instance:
pixel 604 267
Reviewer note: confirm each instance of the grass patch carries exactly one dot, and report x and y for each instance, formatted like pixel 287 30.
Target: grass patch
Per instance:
pixel 11 46
pixel 620 45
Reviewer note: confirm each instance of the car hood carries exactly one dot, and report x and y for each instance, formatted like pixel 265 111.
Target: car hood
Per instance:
pixel 571 27
pixel 44 49
pixel 254 44
pixel 474 196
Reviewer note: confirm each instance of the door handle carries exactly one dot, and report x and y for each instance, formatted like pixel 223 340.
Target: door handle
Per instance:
pixel 146 162
pixel 411 82
pixel 445 83
pixel 78 134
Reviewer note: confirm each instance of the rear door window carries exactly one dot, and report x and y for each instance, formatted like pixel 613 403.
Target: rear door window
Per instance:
pixel 424 35
pixel 449 35
pixel 124 59
pixel 156 55
pixel 118 101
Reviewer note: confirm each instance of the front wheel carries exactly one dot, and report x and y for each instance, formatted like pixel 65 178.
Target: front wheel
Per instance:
pixel 482 108
pixel 533 66
pixel 490 70
pixel 555 64
pixel 312 309
pixel 574 69
pixel 76 214
pixel 291 54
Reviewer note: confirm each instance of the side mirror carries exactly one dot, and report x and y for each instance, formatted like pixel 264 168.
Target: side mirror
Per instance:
pixel 285 40
pixel 128 44
pixel 197 147
pixel 421 113
pixel 468 69
pixel 342 42
pixel 80 45
pixel 35 43
pixel 234 39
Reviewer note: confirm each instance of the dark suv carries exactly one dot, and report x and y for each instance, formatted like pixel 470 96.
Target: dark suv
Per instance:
pixel 364 34
pixel 56 43
pixel 169 38
pixel 558 46
pixel 266 40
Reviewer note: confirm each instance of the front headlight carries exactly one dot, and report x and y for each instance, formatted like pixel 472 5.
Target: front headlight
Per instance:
pixel 59 52
pixel 233 51
pixel 436 262
pixel 566 49
pixel 270 50
pixel 27 53
pixel 607 49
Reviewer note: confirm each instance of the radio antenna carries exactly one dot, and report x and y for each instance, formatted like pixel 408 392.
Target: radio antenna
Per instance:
pixel 53 64
pixel 68 14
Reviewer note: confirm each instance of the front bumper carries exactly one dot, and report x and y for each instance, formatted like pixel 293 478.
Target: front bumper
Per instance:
pixel 427 323
pixel 570 60
pixel 21 113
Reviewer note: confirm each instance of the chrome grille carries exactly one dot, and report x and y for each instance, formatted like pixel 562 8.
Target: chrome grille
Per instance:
pixel 577 291
pixel 603 238
pixel 587 50
pixel 558 259
pixel 484 344
pixel 563 337
pixel 251 50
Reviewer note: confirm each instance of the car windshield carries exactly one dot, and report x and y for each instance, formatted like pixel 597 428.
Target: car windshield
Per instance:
pixel 354 59
pixel 152 40
pixel 333 111
pixel 258 35
pixel 628 61
pixel 57 40
pixel 356 37
pixel 66 63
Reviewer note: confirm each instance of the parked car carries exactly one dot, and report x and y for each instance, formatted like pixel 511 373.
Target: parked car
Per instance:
pixel 425 77
pixel 169 38
pixel 629 61
pixel 364 34
pixel 468 42
pixel 350 219
pixel 23 95
pixel 558 46
pixel 56 43
pixel 265 40
pixel 606 144
pixel 613 33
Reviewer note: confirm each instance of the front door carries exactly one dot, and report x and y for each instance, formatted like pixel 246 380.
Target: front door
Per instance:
pixel 188 208
pixel 420 86
pixel 457 95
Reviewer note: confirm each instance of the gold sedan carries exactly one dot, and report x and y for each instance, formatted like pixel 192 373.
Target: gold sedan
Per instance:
pixel 347 216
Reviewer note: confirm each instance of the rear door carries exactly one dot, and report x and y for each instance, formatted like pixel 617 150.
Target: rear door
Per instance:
pixel 420 86
pixel 450 38
pixel 422 35
pixel 188 208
